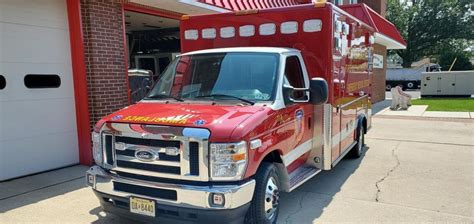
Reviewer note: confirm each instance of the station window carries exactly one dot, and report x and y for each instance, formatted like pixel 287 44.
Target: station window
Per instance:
pixel 191 34
pixel 247 31
pixel 312 25
pixel 3 82
pixel 227 32
pixel 267 29
pixel 42 81
pixel 209 33
pixel 289 27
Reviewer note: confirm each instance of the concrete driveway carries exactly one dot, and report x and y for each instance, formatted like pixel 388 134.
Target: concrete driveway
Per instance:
pixel 414 170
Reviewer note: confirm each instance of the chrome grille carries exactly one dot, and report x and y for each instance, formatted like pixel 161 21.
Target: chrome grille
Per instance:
pixel 121 143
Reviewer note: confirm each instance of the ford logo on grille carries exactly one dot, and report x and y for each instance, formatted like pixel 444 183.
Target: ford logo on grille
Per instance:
pixel 145 155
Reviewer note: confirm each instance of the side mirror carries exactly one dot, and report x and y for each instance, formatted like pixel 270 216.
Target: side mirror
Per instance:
pixel 319 91
pixel 289 92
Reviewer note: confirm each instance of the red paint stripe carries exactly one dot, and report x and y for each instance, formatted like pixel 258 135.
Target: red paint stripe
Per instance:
pixel 281 3
pixel 219 3
pixel 227 5
pixel 241 4
pixel 252 4
pixel 272 3
pixel 234 5
pixel 244 5
pixel 278 3
pixel 80 81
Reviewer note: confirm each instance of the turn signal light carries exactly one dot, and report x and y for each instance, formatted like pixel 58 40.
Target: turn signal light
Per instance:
pixel 238 157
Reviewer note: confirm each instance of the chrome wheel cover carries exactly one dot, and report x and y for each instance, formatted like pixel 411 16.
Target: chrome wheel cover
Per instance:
pixel 272 197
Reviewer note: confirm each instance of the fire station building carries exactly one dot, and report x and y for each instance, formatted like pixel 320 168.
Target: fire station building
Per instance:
pixel 66 63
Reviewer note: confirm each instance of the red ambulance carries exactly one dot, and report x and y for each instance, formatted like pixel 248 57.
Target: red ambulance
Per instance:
pixel 257 103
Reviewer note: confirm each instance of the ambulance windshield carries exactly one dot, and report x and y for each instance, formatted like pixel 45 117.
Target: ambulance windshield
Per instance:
pixel 239 75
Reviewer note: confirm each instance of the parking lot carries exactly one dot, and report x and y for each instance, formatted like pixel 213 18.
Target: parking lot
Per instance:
pixel 413 170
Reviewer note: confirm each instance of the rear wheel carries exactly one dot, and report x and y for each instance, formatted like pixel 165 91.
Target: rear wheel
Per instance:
pixel 356 152
pixel 264 207
pixel 410 85
pixel 403 87
pixel 388 87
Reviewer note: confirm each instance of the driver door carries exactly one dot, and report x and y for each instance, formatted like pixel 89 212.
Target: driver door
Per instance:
pixel 298 115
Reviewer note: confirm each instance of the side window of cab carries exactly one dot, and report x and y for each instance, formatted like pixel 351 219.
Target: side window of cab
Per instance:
pixel 294 77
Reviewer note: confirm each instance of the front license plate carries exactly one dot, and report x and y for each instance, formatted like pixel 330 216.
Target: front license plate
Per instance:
pixel 142 206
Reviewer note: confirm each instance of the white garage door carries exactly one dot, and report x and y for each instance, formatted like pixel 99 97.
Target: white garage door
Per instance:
pixel 37 113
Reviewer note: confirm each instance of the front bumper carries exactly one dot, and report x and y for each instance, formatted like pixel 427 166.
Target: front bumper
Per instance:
pixel 190 199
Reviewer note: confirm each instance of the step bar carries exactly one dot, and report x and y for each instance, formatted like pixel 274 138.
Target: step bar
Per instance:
pixel 301 175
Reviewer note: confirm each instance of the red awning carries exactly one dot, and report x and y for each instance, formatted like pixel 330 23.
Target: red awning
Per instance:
pixel 236 5
pixel 386 33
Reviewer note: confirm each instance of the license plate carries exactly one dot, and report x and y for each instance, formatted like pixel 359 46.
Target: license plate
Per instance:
pixel 142 206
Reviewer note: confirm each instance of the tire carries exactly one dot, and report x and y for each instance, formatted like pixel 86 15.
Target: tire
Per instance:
pixel 358 149
pixel 264 208
pixel 403 87
pixel 410 85
pixel 388 87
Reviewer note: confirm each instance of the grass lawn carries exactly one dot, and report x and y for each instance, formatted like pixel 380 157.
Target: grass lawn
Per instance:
pixel 447 104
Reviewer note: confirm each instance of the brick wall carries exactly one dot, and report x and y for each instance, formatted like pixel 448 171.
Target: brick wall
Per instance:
pixel 104 56
pixel 378 76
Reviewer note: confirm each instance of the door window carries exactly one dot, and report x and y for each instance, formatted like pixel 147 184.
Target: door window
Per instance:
pixel 42 81
pixel 294 76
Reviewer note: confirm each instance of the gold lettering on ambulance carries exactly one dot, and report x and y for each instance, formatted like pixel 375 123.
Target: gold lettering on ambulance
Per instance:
pixel 178 119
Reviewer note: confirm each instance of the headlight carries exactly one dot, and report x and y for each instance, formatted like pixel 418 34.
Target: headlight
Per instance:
pixel 96 148
pixel 228 160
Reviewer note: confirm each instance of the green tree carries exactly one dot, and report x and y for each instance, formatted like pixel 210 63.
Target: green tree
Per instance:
pixel 426 25
pixel 462 62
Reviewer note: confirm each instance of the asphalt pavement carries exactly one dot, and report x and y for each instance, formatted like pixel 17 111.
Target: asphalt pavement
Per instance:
pixel 413 170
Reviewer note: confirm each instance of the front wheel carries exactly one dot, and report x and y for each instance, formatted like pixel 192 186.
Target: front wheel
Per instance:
pixel 356 152
pixel 264 207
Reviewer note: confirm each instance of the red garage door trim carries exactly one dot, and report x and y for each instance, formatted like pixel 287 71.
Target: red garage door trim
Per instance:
pixel 80 82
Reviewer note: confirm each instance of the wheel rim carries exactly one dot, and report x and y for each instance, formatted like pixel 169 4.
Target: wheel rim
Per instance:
pixel 388 87
pixel 360 144
pixel 272 197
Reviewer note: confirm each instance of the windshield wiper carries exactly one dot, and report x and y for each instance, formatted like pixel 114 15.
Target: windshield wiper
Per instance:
pixel 164 96
pixel 226 96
